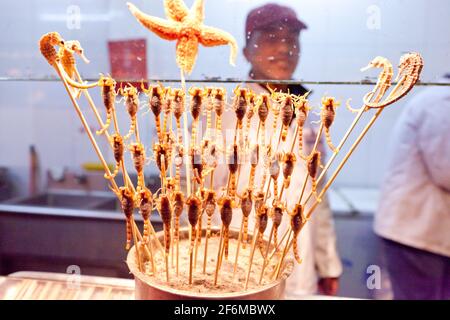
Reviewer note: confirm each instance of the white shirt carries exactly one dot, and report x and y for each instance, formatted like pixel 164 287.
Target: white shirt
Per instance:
pixel 415 206
pixel 317 240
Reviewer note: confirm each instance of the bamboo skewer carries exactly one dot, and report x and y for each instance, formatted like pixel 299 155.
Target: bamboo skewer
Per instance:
pixel 266 255
pixel 252 253
pixel 238 247
pixel 219 256
pixel 186 139
pixel 354 145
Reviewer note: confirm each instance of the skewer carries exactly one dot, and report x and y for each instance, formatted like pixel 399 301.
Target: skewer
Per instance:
pixel 250 261
pixel 285 251
pixel 266 255
pixel 186 139
pixel 219 255
pixel 238 247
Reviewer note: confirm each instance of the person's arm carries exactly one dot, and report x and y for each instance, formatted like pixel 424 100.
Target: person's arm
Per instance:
pixel 327 261
pixel 434 141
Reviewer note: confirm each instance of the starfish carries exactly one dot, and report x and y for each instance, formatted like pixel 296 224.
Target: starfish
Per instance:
pixel 187 28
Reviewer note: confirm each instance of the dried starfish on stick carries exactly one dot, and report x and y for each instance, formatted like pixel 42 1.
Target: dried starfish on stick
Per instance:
pixel 187 28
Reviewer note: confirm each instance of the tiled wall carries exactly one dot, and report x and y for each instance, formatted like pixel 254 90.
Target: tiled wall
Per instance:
pixel 337 43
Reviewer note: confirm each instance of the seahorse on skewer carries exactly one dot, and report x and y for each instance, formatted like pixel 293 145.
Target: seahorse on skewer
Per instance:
pixel 67 57
pixel 410 68
pixel 384 78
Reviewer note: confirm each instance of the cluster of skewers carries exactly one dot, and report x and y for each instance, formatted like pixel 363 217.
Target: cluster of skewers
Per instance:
pixel 200 156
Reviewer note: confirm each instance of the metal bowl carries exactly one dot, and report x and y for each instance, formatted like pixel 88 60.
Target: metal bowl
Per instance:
pixel 147 289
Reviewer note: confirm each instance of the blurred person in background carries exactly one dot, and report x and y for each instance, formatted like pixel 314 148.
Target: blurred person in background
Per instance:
pixel 413 218
pixel 273 50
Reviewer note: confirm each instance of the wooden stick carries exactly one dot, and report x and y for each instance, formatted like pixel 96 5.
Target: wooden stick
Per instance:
pixel 178 253
pixel 266 255
pixel 100 121
pixel 166 256
pixel 186 139
pixel 86 127
pixel 286 248
pixel 136 245
pixel 275 250
pixel 250 262
pixel 198 238
pixel 238 247
pixel 352 148
pixel 205 255
pixel 191 253
pixel 219 253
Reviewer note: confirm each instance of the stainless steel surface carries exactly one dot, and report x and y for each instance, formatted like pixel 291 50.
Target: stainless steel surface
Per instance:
pixel 55 286
pixel 47 238
pixel 147 289
pixel 69 199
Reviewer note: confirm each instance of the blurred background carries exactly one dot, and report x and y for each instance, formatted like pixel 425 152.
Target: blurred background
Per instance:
pixel 55 207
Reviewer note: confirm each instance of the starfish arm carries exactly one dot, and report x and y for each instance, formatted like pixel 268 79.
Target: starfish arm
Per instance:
pixel 187 49
pixel 164 29
pixel 198 11
pixel 176 9
pixel 210 37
